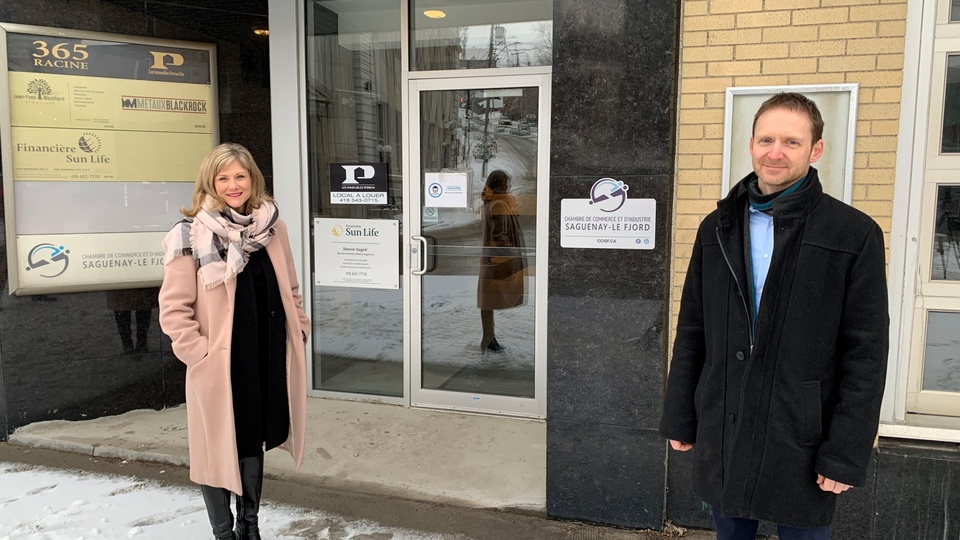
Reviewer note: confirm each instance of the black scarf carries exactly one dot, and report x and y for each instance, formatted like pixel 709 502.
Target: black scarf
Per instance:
pixel 764 203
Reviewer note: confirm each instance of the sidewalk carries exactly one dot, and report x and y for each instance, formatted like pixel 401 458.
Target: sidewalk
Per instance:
pixel 372 448
pixel 462 460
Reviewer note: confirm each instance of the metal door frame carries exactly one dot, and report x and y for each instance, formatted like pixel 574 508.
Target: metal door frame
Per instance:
pixel 483 403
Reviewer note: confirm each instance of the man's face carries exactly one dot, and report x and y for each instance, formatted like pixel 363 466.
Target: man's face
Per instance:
pixel 782 149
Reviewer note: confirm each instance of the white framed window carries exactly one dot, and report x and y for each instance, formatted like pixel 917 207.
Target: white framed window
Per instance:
pixel 838 105
pixel 923 392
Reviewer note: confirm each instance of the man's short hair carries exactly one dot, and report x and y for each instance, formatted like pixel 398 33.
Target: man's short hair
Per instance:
pixel 795 102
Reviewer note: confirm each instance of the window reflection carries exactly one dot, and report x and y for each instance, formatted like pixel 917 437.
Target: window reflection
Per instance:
pixel 941 366
pixel 353 116
pixel 946 235
pixel 481 34
pixel 479 306
pixel 951 107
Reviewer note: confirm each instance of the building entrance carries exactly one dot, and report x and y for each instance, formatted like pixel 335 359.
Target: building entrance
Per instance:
pixel 476 280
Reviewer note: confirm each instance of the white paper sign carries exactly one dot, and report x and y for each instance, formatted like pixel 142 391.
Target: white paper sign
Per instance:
pixel 608 219
pixel 363 253
pixel 446 189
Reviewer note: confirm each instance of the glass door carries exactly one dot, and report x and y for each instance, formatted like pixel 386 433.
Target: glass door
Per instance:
pixel 478 178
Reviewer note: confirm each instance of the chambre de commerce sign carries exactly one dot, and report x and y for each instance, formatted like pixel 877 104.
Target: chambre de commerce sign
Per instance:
pixel 102 139
pixel 608 219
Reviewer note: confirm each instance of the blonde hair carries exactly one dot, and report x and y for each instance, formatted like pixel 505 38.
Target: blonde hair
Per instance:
pixel 212 164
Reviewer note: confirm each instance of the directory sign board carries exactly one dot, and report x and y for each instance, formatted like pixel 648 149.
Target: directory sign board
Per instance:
pixel 102 136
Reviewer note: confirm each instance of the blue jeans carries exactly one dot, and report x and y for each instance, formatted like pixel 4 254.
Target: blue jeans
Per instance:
pixel 732 528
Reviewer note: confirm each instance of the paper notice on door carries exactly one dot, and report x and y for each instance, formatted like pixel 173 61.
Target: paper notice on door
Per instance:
pixel 446 189
pixel 361 253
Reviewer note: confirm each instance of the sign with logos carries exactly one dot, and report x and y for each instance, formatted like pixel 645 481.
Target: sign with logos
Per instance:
pixel 446 189
pixel 608 219
pixel 358 183
pixel 81 258
pixel 362 253
pixel 106 133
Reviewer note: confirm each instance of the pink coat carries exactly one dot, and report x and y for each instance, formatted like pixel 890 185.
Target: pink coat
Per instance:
pixel 200 324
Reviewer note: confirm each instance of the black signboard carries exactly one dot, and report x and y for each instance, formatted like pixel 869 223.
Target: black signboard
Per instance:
pixel 358 183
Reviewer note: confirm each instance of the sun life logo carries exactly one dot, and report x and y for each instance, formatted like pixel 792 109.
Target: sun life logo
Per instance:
pixel 337 231
pixel 89 143
pixel 52 259
pixel 608 194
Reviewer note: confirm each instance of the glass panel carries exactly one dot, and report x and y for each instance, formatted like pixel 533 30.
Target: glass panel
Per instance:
pixel 353 116
pixel 955 11
pixel 951 107
pixel 478 295
pixel 941 361
pixel 470 34
pixel 946 235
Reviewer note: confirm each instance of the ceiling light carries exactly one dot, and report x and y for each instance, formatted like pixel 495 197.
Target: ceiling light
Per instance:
pixel 261 31
pixel 434 14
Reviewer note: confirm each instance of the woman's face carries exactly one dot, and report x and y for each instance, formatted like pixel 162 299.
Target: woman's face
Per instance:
pixel 233 185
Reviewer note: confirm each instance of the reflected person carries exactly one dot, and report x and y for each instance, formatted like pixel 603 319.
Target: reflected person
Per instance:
pixel 231 305
pixel 501 283
pixel 140 301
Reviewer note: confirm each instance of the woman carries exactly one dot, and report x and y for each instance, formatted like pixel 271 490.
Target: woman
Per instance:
pixel 231 305
pixel 501 283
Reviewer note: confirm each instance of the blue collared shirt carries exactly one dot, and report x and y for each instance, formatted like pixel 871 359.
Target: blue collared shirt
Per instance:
pixel 761 250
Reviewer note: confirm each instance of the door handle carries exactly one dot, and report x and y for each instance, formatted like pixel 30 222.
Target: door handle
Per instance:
pixel 418 251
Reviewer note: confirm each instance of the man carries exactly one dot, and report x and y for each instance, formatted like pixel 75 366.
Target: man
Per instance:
pixel 780 354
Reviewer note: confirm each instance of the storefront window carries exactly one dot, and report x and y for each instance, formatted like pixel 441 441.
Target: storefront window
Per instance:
pixel 941 368
pixel 951 107
pixel 481 34
pixel 946 235
pixel 353 116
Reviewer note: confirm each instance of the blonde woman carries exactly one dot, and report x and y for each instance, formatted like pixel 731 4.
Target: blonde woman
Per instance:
pixel 231 305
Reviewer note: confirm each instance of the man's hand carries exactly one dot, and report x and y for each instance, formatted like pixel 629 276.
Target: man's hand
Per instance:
pixel 827 484
pixel 680 446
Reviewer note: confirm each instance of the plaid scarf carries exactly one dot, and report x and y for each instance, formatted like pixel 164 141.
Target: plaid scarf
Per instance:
pixel 221 242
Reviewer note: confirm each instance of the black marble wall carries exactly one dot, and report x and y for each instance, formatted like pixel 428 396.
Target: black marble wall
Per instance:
pixel 912 491
pixel 917 491
pixel 64 355
pixel 614 78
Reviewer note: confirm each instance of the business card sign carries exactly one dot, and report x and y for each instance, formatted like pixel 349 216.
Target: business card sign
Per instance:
pixel 608 219
pixel 363 253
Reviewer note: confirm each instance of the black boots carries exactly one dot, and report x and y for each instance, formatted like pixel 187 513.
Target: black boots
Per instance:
pixel 248 505
pixel 217 501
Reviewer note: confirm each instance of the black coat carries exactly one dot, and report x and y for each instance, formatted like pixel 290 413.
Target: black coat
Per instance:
pixel 802 397
pixel 258 370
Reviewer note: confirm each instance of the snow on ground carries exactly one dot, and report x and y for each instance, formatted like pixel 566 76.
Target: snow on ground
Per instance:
pixel 48 504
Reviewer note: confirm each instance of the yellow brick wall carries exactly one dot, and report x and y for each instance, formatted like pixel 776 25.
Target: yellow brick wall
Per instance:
pixel 779 42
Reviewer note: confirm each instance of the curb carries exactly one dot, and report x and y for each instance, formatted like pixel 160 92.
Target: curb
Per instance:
pixel 96 450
